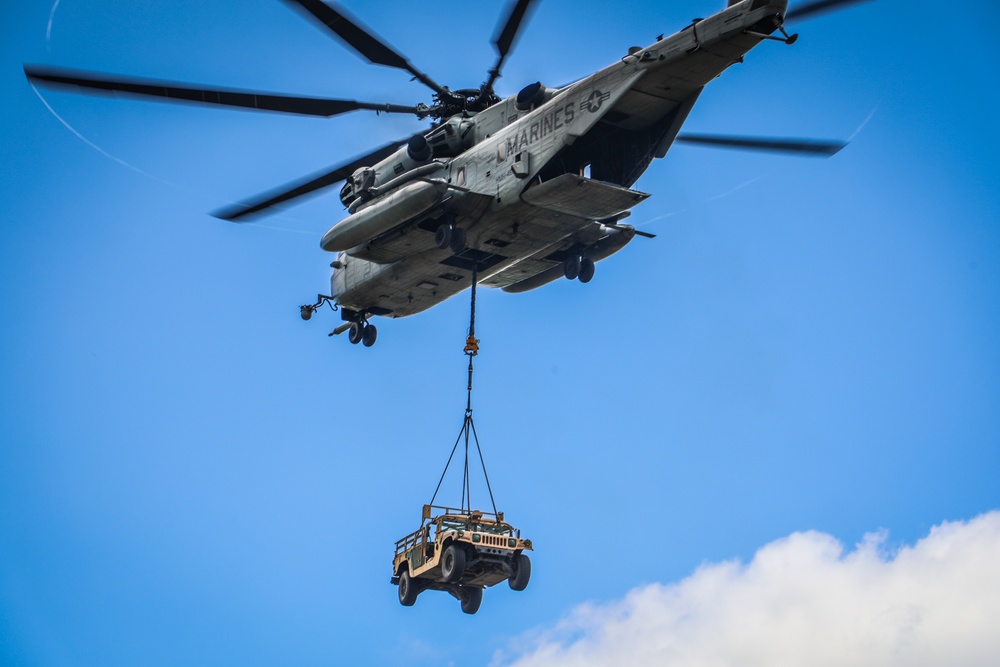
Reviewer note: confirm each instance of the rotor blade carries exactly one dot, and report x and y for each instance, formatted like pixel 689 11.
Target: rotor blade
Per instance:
pixel 312 183
pixel 505 39
pixel 795 146
pixel 310 106
pixel 818 7
pixel 363 41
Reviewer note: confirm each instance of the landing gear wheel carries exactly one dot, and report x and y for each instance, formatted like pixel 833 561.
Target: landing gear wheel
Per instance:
pixel 522 573
pixel 453 565
pixel 472 597
pixel 408 589
pixel 457 244
pixel 442 237
pixel 369 335
pixel 586 270
pixel 356 333
pixel 306 312
pixel 571 267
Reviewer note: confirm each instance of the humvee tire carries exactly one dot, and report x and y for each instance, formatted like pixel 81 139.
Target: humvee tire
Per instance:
pixel 408 589
pixel 453 564
pixel 472 597
pixel 522 573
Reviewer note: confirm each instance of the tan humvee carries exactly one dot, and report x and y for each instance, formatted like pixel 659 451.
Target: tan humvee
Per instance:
pixel 461 552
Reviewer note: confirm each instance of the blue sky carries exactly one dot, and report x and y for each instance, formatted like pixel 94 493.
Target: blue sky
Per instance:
pixel 191 474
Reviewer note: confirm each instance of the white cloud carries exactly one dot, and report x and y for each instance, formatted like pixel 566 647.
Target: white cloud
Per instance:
pixel 803 601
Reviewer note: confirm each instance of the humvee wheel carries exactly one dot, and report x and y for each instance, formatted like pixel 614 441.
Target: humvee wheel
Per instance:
pixel 522 573
pixel 472 597
pixel 408 589
pixel 453 565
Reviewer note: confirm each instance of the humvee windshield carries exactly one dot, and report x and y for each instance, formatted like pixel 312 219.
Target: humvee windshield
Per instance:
pixel 457 523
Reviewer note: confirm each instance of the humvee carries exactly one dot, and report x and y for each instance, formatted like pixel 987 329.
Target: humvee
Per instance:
pixel 461 552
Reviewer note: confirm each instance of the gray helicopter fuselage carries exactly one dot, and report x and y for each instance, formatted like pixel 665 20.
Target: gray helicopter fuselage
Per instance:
pixel 533 182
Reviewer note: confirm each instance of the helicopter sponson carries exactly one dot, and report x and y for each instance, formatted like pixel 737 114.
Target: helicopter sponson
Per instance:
pixel 384 214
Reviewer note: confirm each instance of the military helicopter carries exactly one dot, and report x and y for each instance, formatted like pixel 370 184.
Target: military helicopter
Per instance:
pixel 511 193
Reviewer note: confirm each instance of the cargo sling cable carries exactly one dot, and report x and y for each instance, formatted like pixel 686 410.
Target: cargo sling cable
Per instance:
pixel 461 551
pixel 468 430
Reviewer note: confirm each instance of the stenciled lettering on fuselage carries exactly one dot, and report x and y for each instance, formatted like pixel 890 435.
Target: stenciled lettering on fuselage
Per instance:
pixel 554 120
pixel 549 123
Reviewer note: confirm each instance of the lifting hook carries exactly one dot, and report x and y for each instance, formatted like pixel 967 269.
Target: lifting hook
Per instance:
pixel 472 345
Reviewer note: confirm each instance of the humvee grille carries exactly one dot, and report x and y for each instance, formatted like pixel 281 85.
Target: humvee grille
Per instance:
pixel 493 540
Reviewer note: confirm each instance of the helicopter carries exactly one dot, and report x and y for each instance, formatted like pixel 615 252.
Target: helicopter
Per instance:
pixel 511 193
